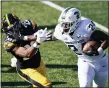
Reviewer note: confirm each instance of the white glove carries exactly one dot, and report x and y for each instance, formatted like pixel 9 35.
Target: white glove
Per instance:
pixel 39 32
pixel 13 62
pixel 43 35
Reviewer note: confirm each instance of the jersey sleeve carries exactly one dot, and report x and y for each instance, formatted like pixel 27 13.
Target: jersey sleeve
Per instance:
pixel 58 33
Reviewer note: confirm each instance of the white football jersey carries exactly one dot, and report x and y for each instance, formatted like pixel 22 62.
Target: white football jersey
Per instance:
pixel 81 34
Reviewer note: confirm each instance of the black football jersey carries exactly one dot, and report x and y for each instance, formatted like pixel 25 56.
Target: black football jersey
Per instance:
pixel 28 28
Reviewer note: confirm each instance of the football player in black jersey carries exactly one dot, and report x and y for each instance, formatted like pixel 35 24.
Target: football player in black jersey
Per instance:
pixel 23 40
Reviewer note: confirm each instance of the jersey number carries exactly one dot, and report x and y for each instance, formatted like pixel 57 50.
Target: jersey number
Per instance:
pixel 91 26
pixel 74 49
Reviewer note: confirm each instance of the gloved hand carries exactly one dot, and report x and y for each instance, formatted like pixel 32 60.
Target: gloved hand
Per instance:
pixel 42 35
pixel 13 62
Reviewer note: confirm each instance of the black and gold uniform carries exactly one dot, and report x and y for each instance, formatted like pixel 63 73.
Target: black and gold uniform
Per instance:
pixel 31 69
pixel 23 62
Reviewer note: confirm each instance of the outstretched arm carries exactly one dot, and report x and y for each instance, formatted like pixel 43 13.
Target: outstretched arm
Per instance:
pixel 33 37
pixel 26 52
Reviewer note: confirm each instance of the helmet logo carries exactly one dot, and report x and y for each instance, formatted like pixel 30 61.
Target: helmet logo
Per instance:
pixel 77 14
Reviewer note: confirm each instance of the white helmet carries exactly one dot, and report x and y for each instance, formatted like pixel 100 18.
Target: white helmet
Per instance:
pixel 69 19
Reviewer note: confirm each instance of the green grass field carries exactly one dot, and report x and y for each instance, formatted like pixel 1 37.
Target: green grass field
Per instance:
pixel 60 61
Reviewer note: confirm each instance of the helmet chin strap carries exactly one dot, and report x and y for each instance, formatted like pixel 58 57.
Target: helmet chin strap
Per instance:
pixel 67 33
pixel 71 33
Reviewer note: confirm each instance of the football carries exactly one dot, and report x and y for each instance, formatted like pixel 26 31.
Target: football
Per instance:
pixel 91 46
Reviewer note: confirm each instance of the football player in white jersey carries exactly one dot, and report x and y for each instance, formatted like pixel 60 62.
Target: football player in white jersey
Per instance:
pixel 75 32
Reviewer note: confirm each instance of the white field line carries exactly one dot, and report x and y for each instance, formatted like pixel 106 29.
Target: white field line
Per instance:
pixel 103 28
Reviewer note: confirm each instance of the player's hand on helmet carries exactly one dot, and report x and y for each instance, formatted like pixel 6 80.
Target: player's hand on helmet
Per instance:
pixel 43 35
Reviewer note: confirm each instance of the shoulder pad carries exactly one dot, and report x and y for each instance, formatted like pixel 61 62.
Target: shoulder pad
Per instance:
pixel 28 27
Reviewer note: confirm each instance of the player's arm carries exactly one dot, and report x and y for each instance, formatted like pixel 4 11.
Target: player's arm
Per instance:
pixel 29 38
pixel 53 38
pixel 28 52
pixel 25 52
pixel 21 51
pixel 57 34
pixel 34 36
pixel 28 25
pixel 102 37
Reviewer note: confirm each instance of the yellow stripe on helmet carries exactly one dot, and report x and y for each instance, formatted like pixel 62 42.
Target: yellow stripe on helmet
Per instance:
pixel 8 20
pixel 13 14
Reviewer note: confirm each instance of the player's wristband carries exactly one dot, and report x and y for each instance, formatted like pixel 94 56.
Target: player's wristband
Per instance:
pixel 36 45
pixel 100 49
pixel 25 38
pixel 38 40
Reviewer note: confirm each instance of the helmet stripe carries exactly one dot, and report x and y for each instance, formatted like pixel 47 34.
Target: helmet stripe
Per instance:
pixel 15 17
pixel 65 11
pixel 8 20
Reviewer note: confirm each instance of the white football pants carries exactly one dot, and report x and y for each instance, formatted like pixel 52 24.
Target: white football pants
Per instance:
pixel 96 72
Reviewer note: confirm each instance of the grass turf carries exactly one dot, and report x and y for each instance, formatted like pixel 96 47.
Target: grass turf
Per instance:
pixel 60 61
